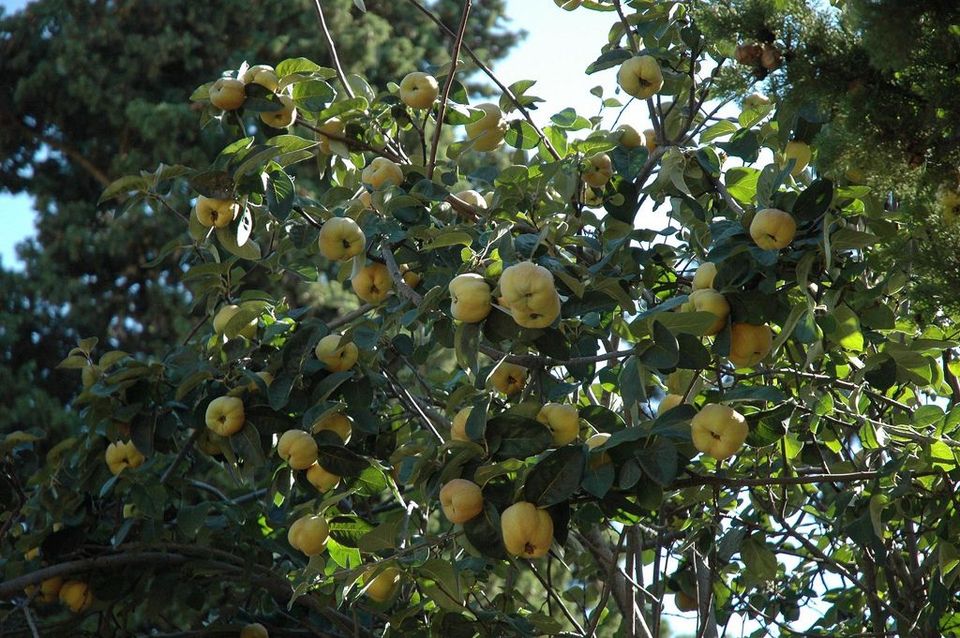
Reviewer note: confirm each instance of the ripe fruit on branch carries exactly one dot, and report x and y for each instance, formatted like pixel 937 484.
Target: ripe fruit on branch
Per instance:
pixel 381 173
pixel 773 229
pixel 48 592
pixel 599 170
pixel 563 421
pixel 668 403
pixel 321 479
pixel 684 601
pixel 297 448
pixel 223 317
pixel 341 238
pixel 225 415
pixel 384 584
pixel 282 118
pixel 335 422
pixel 76 595
pixel 527 530
pixel 595 441
pixel 748 54
pixel 254 630
pixel 800 153
pixel 508 378
pixel 309 534
pixel 487 133
pixel 709 300
pixel 705 275
pixel 473 198
pixel 227 94
pixel 770 56
pixel 410 277
pixel 749 344
pixel 718 431
pixel 640 76
pixel 528 290
pixel 419 90
pixel 336 354
pixel 630 137
pixel 461 500
pixel 123 455
pixel 215 212
pixel 372 283
pixel 755 101
pixel 458 429
pixel 263 75
pixel 650 139
pixel 333 126
pixel 469 298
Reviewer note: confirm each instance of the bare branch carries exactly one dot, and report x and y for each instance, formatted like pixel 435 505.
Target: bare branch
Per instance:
pixel 333 50
pixel 489 73
pixel 454 62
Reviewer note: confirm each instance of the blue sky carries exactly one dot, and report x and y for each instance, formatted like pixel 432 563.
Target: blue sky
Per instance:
pixel 558 47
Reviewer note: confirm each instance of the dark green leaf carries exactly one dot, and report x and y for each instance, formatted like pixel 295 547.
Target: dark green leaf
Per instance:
pixel 556 477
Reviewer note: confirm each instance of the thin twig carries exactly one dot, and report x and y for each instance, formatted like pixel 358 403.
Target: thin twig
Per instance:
pixel 333 324
pixel 454 62
pixel 32 625
pixel 493 78
pixel 559 601
pixel 183 452
pixel 333 51
pixel 631 36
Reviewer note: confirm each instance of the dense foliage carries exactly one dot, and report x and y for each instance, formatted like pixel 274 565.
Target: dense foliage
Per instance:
pixel 97 90
pixel 611 376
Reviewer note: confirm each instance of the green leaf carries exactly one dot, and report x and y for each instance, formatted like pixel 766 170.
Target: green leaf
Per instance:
pixel 556 477
pixel 665 351
pixel 449 238
pixel 445 590
pixel 845 329
pixel 720 129
pixel 631 382
pixel 609 59
pixel 296 65
pixel 466 343
pixel 741 183
pixel 348 530
pixel 691 323
pixel 625 207
pixel 814 201
pixel 280 194
pixel 483 531
pixel 851 239
pixel 760 561
pixel 247 443
pixel 340 460
pixel 313 95
pixel 383 536
pixel 250 250
pixel 521 135
pixel 124 185
pixel 511 436
pixel 659 461
pixel 333 381
pixel 568 119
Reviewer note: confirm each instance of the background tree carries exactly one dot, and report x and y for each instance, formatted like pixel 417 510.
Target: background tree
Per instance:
pixel 877 80
pixel 552 414
pixel 98 90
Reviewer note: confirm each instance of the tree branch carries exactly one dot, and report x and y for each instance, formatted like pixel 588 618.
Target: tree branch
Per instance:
pixel 333 50
pixel 441 112
pixel 493 78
